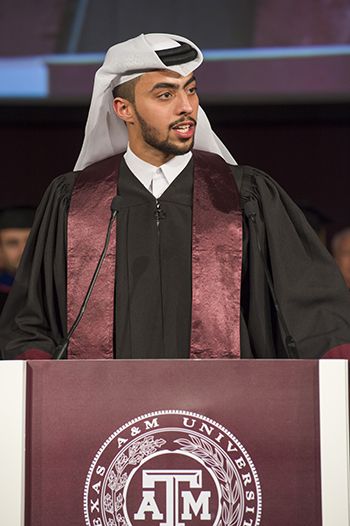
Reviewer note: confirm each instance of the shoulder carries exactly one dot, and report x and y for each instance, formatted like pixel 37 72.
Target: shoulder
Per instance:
pixel 102 168
pixel 56 198
pixel 249 172
pixel 255 183
pixel 248 179
pixel 63 185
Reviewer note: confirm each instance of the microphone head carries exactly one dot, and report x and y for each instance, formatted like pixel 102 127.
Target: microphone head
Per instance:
pixel 250 208
pixel 116 203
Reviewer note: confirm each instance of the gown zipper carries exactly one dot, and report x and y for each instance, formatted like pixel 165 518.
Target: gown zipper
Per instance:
pixel 160 214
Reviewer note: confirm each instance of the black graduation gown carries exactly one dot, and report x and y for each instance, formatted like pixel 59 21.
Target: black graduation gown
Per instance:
pixel 153 285
pixel 309 286
pixel 3 298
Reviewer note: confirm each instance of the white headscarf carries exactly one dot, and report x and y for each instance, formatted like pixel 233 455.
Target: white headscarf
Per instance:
pixel 105 133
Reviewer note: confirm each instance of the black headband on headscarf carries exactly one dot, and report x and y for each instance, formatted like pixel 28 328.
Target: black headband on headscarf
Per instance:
pixel 177 55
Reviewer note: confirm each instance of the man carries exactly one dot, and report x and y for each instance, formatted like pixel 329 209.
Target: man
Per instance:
pixel 15 225
pixel 341 253
pixel 185 275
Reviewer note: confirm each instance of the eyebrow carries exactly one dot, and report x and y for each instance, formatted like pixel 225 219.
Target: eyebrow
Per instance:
pixel 170 85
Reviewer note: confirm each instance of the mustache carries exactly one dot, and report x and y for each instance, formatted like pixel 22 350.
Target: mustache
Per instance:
pixel 183 119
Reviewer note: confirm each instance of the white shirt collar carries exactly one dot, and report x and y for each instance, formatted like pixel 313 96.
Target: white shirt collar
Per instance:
pixel 145 171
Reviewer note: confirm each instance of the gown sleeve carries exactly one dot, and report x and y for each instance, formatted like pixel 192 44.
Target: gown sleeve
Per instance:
pixel 34 318
pixel 309 286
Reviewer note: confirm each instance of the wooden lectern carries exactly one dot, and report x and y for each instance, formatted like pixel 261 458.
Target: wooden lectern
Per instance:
pixel 174 443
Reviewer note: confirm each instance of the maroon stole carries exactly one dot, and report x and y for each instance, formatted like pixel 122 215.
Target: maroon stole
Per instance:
pixel 216 260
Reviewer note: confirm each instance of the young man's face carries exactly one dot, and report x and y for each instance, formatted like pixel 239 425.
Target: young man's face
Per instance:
pixel 163 119
pixel 12 243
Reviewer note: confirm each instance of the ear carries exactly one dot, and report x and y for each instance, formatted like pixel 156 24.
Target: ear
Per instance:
pixel 123 109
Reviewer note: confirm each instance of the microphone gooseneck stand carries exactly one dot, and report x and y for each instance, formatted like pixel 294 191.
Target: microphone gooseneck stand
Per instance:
pixel 63 345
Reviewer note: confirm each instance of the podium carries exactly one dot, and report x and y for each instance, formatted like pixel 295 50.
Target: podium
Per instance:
pixel 174 443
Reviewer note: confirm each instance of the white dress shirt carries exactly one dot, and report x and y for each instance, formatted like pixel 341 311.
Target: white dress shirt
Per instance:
pixel 156 178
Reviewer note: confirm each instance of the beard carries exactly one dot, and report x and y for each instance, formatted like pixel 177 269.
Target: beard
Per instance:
pixel 150 135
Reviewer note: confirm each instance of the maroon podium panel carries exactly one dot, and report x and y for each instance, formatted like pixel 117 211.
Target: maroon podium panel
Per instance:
pixel 173 443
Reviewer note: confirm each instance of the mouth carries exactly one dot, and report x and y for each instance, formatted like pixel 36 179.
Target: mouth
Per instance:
pixel 185 130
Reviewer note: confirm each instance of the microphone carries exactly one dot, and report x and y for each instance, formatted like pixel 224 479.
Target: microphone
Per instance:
pixel 63 345
pixel 250 210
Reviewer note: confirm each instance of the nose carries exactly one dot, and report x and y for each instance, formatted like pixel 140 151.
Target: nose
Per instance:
pixel 185 104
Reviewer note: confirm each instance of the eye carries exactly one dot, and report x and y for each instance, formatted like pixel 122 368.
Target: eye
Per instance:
pixel 165 95
pixel 12 243
pixel 192 90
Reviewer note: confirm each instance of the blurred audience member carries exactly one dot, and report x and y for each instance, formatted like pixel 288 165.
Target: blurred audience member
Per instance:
pixel 15 225
pixel 341 252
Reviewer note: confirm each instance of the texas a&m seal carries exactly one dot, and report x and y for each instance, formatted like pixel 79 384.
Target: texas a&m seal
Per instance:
pixel 172 468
